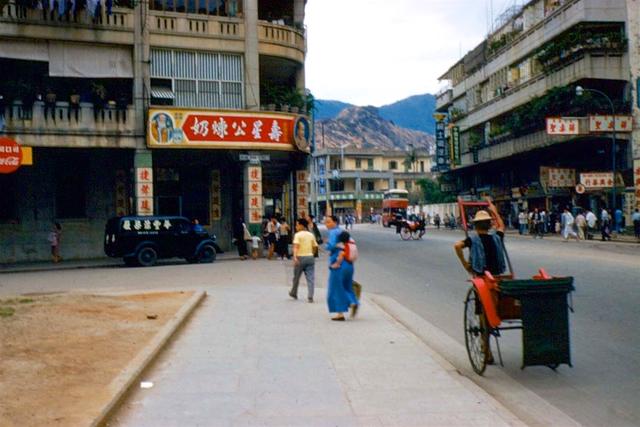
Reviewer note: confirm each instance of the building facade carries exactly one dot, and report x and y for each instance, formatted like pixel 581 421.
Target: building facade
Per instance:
pixel 194 108
pixel 531 105
pixel 352 180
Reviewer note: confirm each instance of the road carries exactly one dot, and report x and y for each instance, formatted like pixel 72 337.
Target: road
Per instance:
pixel 602 388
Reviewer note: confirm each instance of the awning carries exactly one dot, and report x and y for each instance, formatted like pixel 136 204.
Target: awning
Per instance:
pixel 84 60
pixel 25 50
pixel 161 92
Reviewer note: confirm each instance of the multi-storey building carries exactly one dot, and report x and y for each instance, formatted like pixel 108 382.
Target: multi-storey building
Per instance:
pixel 162 107
pixel 528 70
pixel 350 180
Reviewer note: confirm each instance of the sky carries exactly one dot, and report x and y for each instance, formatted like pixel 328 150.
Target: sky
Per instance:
pixel 376 52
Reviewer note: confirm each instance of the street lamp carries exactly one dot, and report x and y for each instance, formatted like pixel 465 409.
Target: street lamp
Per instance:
pixel 579 92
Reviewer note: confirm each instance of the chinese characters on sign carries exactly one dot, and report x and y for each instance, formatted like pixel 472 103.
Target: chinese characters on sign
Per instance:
pixel 142 226
pixel 455 146
pixel 254 193
pixel 144 191
pixel 122 207
pixel 562 126
pixel 561 177
pixel 636 181
pixel 302 193
pixel 596 180
pixel 441 150
pixel 216 203
pixel 605 123
pixel 194 128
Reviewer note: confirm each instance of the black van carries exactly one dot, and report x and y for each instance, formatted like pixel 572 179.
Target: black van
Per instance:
pixel 141 240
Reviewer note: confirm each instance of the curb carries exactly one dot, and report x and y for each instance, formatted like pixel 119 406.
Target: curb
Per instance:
pixel 511 400
pixel 119 387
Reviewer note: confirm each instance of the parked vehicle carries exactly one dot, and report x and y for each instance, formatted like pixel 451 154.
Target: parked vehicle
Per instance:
pixel 394 207
pixel 142 240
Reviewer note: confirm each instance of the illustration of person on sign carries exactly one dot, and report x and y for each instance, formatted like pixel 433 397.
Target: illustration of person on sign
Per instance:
pixel 302 133
pixel 162 128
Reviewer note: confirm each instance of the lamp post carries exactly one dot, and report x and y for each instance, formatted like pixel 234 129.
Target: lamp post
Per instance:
pixel 579 92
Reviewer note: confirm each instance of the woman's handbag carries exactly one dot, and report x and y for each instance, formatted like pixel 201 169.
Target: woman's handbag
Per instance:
pixel 246 234
pixel 316 253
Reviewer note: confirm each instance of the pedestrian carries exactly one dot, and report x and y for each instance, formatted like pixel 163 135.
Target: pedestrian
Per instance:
pixel 568 223
pixel 581 225
pixel 55 236
pixel 337 298
pixel 522 222
pixel 347 254
pixel 284 232
pixel 304 243
pixel 591 224
pixel 635 218
pixel 272 229
pixel 255 246
pixel 543 220
pixel 605 224
pixel 618 218
pixel 536 219
pixel 241 236
pixel 436 220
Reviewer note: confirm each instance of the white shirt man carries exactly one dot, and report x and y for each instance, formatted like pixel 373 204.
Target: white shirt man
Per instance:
pixel 591 219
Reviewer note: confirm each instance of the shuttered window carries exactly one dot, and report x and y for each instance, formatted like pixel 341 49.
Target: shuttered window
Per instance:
pixel 201 79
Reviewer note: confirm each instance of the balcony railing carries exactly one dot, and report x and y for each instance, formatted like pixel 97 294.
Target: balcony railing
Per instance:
pixel 120 18
pixel 282 35
pixel 42 125
pixel 201 25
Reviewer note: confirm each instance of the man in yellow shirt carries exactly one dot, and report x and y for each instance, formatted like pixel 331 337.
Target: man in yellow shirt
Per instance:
pixel 304 243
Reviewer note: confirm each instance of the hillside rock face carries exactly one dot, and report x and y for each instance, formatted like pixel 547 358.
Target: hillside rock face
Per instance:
pixel 363 127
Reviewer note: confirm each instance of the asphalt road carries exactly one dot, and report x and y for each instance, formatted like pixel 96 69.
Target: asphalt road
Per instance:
pixel 602 388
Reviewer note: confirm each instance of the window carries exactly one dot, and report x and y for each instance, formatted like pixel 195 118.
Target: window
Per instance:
pixel 371 186
pixel 369 164
pixel 393 165
pixel 200 79
pixel 336 185
pixel 422 166
pixel 358 164
pixel 335 164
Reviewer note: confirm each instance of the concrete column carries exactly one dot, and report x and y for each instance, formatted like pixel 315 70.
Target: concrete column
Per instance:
pixel 141 76
pixel 633 35
pixel 298 13
pixel 251 57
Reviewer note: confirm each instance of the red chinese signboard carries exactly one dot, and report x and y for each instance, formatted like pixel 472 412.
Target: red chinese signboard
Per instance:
pixel 10 155
pixel 606 123
pixel 562 126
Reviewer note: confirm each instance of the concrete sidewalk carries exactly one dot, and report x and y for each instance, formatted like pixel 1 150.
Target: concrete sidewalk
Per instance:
pixel 250 355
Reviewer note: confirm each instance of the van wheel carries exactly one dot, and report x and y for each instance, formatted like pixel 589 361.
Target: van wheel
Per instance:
pixel 147 256
pixel 130 261
pixel 207 254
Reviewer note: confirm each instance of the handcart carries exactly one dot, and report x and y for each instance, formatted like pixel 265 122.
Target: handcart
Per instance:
pixel 538 306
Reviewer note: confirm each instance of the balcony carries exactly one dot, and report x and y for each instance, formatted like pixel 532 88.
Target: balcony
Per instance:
pixel 444 98
pixel 282 41
pixel 586 64
pixel 105 128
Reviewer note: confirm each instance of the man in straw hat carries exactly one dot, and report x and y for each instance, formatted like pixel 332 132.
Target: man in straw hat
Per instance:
pixel 486 251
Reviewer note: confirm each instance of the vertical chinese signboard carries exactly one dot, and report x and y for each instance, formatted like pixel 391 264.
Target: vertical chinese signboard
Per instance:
pixel 441 147
pixel 122 207
pixel 455 145
pixel 254 193
pixel 216 205
pixel 302 193
pixel 636 181
pixel 144 191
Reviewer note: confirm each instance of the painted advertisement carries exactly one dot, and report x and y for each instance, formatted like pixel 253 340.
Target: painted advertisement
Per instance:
pixel 184 128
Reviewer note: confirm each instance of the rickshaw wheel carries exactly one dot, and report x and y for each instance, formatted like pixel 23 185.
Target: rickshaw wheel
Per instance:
pixel 476 332
pixel 405 233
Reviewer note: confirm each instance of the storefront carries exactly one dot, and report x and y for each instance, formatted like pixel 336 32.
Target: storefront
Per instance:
pixel 218 166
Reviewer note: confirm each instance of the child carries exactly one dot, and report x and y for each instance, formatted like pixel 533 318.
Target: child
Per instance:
pixel 255 246
pixel 343 239
pixel 54 240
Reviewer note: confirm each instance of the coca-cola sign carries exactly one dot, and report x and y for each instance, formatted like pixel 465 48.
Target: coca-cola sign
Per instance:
pixel 10 155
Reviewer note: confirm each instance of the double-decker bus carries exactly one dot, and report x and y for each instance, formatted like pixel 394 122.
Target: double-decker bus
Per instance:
pixel 394 206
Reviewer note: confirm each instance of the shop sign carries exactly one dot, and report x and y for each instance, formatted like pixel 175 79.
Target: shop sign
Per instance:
pixel 254 194
pixel 580 188
pixel 606 124
pixel 144 206
pixel 216 197
pixel 600 180
pixel 144 175
pixel 144 191
pixel 121 193
pixel 447 187
pixel 441 143
pixel 562 126
pixel 183 128
pixel 455 138
pixel 558 177
pixel 10 155
pixel 636 181
pixel 302 193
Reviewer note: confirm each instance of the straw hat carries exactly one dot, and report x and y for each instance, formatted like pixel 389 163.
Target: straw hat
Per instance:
pixel 482 215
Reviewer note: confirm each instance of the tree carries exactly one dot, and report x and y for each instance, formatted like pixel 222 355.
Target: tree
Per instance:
pixel 433 194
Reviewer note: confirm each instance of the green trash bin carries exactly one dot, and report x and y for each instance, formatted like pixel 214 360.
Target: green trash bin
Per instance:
pixel 545 319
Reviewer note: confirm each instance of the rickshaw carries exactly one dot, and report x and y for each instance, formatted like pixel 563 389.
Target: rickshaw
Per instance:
pixel 412 229
pixel 538 306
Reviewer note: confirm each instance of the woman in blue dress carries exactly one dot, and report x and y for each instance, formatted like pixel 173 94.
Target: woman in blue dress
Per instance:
pixel 340 296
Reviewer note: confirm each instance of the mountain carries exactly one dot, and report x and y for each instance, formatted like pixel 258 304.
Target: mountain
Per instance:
pixel 363 127
pixel 327 109
pixel 414 112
